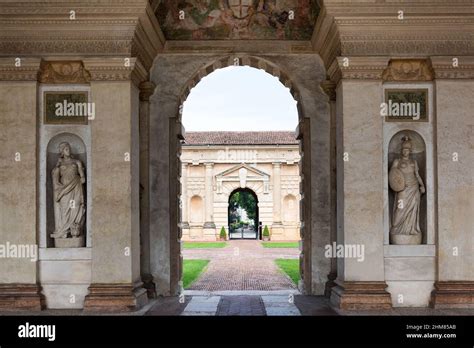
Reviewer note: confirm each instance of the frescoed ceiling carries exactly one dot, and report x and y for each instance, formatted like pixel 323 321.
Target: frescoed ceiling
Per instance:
pixel 237 19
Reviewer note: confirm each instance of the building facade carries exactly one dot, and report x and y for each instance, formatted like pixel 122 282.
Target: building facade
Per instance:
pixel 93 184
pixel 216 164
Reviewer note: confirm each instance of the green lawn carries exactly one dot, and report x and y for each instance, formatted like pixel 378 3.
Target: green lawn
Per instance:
pixel 291 267
pixel 191 270
pixel 280 244
pixel 203 245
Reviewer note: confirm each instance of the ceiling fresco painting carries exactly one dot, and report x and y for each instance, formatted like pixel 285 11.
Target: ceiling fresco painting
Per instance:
pixel 237 19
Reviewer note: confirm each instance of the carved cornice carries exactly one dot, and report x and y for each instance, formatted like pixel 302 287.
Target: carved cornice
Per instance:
pixel 368 28
pixel 116 69
pixel 358 68
pixel 408 70
pixel 445 67
pixel 405 46
pixel 27 71
pixel 63 72
pixel 45 48
pixel 111 27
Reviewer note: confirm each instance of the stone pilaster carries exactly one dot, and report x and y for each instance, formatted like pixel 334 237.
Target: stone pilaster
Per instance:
pixel 209 225
pixel 360 280
pixel 19 288
pixel 277 226
pixel 116 279
pixel 454 88
pixel 184 196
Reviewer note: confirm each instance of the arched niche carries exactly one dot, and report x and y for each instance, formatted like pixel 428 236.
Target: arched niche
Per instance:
pixel 418 154
pixel 290 209
pixel 79 152
pixel 196 210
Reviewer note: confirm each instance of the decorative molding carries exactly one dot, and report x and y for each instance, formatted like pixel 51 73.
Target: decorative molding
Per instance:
pixel 366 28
pixel 232 46
pixel 27 71
pixel 444 68
pixel 127 28
pixel 408 70
pixel 45 47
pixel 357 68
pixel 405 47
pixel 63 72
pixel 116 69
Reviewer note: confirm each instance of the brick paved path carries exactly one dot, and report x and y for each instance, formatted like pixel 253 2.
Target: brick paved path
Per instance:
pixel 242 265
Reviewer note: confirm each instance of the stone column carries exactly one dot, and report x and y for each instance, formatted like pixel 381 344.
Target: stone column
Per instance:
pixel 277 226
pixel 116 281
pixel 19 289
pixel 184 196
pixel 454 89
pixel 209 229
pixel 360 284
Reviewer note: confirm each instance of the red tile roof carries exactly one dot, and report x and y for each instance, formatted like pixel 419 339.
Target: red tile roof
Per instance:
pixel 241 138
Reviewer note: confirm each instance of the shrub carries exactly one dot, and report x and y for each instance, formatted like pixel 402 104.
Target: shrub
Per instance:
pixel 266 231
pixel 223 234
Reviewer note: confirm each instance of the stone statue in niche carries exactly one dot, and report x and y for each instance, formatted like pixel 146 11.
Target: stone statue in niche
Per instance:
pixel 68 197
pixel 405 181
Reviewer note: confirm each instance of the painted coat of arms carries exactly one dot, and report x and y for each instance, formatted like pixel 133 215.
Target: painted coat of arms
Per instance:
pixel 240 8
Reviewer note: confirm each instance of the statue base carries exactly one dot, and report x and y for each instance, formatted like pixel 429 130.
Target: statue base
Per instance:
pixel 405 239
pixel 74 242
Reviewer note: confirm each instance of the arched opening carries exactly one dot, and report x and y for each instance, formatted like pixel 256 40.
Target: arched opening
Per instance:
pixel 167 225
pixel 239 150
pixel 243 215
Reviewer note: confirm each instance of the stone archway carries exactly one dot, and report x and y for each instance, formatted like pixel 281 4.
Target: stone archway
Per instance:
pixel 252 192
pixel 174 75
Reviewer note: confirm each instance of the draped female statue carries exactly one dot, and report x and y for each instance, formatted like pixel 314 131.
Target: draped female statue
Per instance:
pixel 405 180
pixel 68 196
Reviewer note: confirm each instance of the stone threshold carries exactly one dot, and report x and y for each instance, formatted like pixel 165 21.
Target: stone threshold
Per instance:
pixel 285 292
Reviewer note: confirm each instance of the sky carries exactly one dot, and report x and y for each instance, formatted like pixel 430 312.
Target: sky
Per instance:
pixel 240 99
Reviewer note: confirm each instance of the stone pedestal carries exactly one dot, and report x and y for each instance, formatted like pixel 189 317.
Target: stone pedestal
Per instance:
pixel 74 242
pixel 453 294
pixel 209 231
pixel 360 295
pixel 402 239
pixel 115 297
pixel 277 231
pixel 15 297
